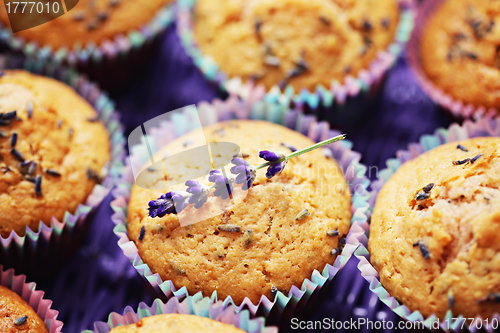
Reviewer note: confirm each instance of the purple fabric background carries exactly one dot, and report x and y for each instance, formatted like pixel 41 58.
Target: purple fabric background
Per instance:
pixel 100 279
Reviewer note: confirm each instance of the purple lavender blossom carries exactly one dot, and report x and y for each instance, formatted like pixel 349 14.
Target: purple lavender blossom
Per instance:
pixel 275 169
pixel 272 156
pixel 223 184
pixel 245 173
pixel 168 203
pixel 199 193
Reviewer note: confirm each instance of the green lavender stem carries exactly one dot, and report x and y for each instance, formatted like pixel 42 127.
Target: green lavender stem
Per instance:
pixel 303 151
pixel 296 153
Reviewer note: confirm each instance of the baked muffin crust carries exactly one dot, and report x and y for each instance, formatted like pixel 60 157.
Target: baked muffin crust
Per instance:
pixel 301 42
pixel 435 230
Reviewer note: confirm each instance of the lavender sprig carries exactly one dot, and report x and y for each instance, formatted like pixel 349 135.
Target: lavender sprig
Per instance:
pixel 169 203
pixel 223 184
pixel 199 193
pixel 242 173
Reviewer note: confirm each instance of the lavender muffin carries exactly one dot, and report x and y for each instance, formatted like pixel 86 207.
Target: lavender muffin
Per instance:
pixel 434 235
pixel 265 243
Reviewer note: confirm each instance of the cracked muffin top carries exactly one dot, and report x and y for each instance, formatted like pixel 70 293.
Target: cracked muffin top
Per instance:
pixel 176 323
pixel 267 248
pixel 17 316
pixel 52 150
pixel 298 42
pixel 435 230
pixel 460 50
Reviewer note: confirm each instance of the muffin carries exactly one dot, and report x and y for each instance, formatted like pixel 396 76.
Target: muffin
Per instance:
pixel 434 230
pixel 302 43
pixel 16 315
pixel 90 21
pixel 53 150
pixel 176 323
pixel 459 51
pixel 275 248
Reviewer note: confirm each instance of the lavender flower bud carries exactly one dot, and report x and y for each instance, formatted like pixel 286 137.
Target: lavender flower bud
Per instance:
pixel 271 156
pixel 223 185
pixel 199 193
pixel 245 173
pixel 275 169
pixel 168 203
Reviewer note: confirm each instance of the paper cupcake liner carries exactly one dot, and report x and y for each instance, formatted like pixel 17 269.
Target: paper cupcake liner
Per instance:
pixel 338 94
pixel 192 305
pixel 481 127
pixel 28 292
pixel 123 50
pixel 455 106
pixel 234 108
pixel 35 249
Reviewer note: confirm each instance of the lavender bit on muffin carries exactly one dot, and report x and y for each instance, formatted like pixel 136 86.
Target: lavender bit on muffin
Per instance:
pixel 325 20
pixel 422 196
pixel 229 228
pixel 333 233
pixel 17 154
pixel 460 162
pixel 247 239
pixel 52 173
pixel 475 158
pixel 427 188
pixel 13 140
pixel 302 214
pixel 38 186
pixel 462 148
pixel 451 299
pixel 258 26
pixel 21 320
pixel 424 250
pixel 142 232
pixel 367 26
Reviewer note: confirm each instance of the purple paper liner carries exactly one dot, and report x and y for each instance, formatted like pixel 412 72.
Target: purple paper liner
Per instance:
pixel 457 107
pixel 234 108
pixel 191 305
pixel 100 61
pixel 469 129
pixel 366 84
pixel 34 249
pixel 28 292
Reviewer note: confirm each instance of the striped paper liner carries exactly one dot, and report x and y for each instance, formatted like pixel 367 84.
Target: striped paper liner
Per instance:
pixel 196 305
pixel 28 292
